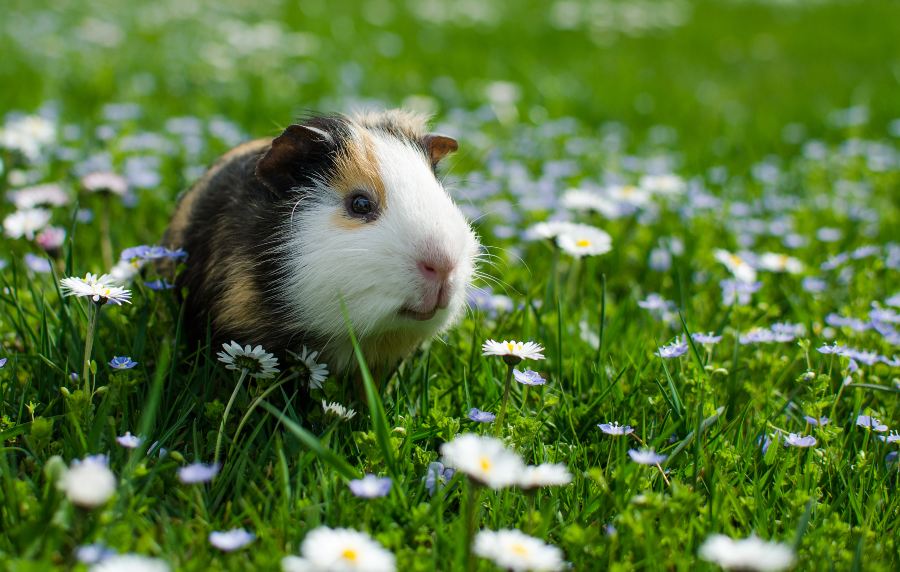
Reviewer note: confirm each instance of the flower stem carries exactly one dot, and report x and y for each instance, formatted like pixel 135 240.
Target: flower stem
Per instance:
pixel 93 314
pixel 234 393
pixel 501 418
pixel 471 517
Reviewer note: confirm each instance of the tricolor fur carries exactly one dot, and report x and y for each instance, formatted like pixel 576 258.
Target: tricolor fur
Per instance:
pixel 276 240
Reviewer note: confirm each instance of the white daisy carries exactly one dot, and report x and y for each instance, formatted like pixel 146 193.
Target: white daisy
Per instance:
pixel 512 352
pixel 584 200
pixel 485 459
pixel 25 223
pixel 750 553
pixel 342 550
pixel 88 483
pixel 514 550
pixel 100 289
pixel 318 372
pixel 739 267
pixel 549 229
pixel 46 194
pixel 663 184
pixel 130 563
pixel 338 410
pixel 583 240
pixel 28 135
pixel 628 194
pixel 545 475
pixel 110 182
pixel 775 262
pixel 258 363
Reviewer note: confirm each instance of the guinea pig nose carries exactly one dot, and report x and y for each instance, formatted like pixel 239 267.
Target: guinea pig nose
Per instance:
pixel 435 269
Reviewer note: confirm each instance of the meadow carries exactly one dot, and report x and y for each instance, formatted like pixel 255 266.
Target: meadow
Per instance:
pixel 720 358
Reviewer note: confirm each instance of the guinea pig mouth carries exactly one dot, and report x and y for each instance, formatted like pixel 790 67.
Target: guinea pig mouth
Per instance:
pixel 417 315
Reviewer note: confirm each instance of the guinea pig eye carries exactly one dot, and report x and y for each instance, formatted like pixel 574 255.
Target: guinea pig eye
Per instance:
pixel 361 206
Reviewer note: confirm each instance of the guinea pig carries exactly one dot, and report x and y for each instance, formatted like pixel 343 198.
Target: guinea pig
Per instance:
pixel 335 210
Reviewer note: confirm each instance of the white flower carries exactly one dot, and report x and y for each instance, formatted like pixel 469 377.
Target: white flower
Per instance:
pixel 340 550
pixel 229 540
pixel 544 475
pixel 338 410
pixel 628 194
pixel 100 289
pixel 485 459
pixel 28 135
pixel 584 200
pixel 111 182
pixel 750 553
pixel 296 564
pixel 124 271
pixel 512 352
pixel 774 262
pixel 130 563
pixel 663 184
pixel 129 441
pixel 318 372
pixel 549 229
pixel 740 268
pixel 88 483
pixel 47 194
pixel 583 240
pixel 198 473
pixel 516 551
pixel 25 223
pixel 258 363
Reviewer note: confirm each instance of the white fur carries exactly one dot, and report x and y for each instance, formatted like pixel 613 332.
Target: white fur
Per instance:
pixel 373 267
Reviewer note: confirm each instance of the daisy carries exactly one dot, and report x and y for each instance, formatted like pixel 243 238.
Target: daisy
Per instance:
pixel 615 429
pixel 49 194
pixel 317 372
pixel 740 268
pixel 585 200
pixel 370 487
pixel 646 456
pixel 100 289
pixel 544 475
pixel 628 194
pixel 512 352
pixel 514 550
pixel 340 550
pixel 88 483
pixel 198 473
pixel 774 262
pixel 528 377
pixel 795 440
pixel 257 362
pixel 583 240
pixel 130 563
pixel 122 362
pixel 109 182
pixel 480 416
pixel 667 184
pixel 229 540
pixel 129 441
pixel 338 410
pixel 25 223
pixel 484 459
pixel 750 553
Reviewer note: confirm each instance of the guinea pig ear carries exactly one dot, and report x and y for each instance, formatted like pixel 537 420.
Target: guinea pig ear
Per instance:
pixel 293 156
pixel 439 146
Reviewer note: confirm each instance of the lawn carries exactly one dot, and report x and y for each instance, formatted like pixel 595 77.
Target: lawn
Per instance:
pixel 742 156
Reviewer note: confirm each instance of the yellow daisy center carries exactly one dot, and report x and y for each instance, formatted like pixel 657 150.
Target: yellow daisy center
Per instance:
pixel 350 554
pixel 519 549
pixel 485 464
pixel 511 346
pixel 735 259
pixel 582 243
pixel 628 190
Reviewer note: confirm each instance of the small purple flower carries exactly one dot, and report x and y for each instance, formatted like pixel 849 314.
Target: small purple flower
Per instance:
pixel 37 264
pixel 838 321
pixel 832 349
pixel 370 487
pixel 738 291
pixel 871 423
pixel 436 476
pixel 646 456
pixel 764 441
pixel 160 284
pixel 756 336
pixel 709 339
pixel 795 440
pixel 892 438
pixel 229 540
pixel 480 416
pixel 677 348
pixel 145 252
pixel 3 362
pixel 817 422
pixel 93 553
pixel 528 377
pixel 122 362
pixel 615 429
pixel 814 285
pixel 198 473
pixel 129 441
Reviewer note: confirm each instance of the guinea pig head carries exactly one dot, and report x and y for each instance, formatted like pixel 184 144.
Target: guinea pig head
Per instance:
pixel 370 227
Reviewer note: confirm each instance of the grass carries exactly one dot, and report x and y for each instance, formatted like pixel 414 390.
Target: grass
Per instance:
pixel 743 98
